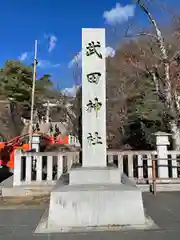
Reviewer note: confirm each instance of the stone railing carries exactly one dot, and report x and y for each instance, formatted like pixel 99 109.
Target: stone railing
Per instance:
pixel 173 163
pixel 46 167
pixel 39 168
pixel 135 164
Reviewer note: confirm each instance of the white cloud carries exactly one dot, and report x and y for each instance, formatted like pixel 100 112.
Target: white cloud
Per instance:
pixel 70 91
pixel 52 42
pixel 119 14
pixel 110 52
pixel 47 64
pixel 23 56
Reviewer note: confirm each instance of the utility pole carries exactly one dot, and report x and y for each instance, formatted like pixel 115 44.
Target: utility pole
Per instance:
pixel 32 94
pixel 47 112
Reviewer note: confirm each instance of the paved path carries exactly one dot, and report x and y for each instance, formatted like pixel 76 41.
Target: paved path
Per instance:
pixel 17 224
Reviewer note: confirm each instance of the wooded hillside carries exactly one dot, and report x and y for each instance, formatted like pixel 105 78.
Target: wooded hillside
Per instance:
pixel 143 83
pixel 15 97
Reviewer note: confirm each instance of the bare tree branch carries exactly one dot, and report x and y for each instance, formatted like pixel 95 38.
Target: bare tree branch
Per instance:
pixel 141 34
pixel 160 40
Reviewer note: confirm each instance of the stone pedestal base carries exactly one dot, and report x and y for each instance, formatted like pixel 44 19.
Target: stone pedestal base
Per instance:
pixel 95 175
pixel 95 205
pixel 95 197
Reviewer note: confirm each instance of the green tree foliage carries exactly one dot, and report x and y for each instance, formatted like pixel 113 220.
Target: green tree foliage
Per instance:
pixel 77 109
pixel 145 115
pixel 16 81
pixel 16 88
pixel 16 85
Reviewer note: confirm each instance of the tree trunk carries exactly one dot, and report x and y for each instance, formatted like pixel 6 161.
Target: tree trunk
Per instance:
pixel 175 135
pixel 170 99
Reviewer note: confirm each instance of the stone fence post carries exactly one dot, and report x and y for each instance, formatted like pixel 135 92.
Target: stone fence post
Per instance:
pixel 17 168
pixel 162 143
pixel 36 141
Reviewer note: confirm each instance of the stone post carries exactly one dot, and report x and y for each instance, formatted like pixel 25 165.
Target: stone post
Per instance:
pixel 36 141
pixel 162 142
pixel 17 168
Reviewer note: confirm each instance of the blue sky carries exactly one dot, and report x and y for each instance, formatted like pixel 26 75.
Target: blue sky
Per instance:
pixel 57 26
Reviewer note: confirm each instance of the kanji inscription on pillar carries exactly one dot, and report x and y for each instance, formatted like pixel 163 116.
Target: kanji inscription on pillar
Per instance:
pixel 93 97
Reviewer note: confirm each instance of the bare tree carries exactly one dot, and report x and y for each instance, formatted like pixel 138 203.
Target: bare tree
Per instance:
pixel 160 71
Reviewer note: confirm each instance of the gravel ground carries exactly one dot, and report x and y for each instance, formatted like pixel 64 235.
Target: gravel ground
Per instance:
pixel 25 201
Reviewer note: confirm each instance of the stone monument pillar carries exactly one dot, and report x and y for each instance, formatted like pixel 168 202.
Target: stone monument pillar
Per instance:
pixel 94 164
pixel 94 98
pixel 95 196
